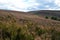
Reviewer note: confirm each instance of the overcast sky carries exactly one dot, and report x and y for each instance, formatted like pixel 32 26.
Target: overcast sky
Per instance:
pixel 28 5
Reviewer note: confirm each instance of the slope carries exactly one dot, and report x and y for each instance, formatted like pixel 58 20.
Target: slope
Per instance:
pixel 27 26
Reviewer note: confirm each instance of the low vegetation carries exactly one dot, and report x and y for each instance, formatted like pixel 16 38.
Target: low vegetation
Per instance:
pixel 46 17
pixel 53 18
pixel 12 28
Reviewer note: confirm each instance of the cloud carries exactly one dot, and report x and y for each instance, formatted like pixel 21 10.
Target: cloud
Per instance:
pixel 19 4
pixel 23 3
pixel 57 2
pixel 26 5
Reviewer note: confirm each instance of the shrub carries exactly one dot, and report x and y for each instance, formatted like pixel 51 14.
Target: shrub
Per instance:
pixel 54 18
pixel 46 17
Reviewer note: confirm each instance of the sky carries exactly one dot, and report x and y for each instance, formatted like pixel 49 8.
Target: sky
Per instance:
pixel 30 5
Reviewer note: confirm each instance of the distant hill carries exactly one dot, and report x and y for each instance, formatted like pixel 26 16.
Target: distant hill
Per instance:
pixel 47 13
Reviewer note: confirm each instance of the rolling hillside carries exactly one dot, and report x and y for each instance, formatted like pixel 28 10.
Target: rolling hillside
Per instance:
pixel 47 13
pixel 16 25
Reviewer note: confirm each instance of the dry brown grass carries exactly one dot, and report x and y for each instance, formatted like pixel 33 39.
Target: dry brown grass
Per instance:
pixel 29 22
